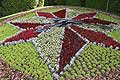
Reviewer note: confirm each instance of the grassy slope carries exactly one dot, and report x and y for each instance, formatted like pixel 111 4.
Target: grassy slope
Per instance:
pixel 29 15
pixel 115 34
pixel 106 17
pixel 26 16
pixel 7 30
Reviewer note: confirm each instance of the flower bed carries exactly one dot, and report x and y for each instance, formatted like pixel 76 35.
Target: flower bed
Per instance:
pixel 26 25
pixel 62 41
pixel 95 21
pixel 50 46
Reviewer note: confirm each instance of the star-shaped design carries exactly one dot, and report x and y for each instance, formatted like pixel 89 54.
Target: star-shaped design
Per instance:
pixel 75 37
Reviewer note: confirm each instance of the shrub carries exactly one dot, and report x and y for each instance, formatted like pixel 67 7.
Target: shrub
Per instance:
pixel 8 7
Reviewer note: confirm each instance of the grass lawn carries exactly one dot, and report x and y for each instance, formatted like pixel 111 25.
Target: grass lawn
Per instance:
pixel 7 30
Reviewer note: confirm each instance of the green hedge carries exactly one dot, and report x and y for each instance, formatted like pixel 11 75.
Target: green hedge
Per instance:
pixel 8 7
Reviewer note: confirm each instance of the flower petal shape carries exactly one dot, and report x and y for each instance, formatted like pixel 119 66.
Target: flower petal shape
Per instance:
pixel 85 16
pixel 98 21
pixel 26 25
pixel 45 14
pixel 72 43
pixel 60 13
pixel 97 37
pixel 24 35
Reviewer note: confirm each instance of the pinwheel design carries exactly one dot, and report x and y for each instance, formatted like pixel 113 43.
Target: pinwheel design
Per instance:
pixel 75 37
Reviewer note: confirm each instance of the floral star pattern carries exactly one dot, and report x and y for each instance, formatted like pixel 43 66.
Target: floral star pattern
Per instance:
pixel 75 36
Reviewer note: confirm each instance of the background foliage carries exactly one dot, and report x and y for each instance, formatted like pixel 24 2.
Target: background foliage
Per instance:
pixel 8 7
pixel 113 5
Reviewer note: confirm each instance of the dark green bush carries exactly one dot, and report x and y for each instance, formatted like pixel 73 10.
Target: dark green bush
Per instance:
pixel 113 5
pixel 100 5
pixel 8 7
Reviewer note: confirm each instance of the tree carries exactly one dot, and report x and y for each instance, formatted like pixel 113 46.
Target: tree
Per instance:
pixel 114 7
pixel 8 7
pixel 83 3
pixel 107 5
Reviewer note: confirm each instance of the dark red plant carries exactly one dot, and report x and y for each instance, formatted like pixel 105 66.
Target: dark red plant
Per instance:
pixel 70 46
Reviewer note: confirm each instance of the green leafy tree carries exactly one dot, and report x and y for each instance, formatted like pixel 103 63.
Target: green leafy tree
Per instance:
pixel 114 6
pixel 8 7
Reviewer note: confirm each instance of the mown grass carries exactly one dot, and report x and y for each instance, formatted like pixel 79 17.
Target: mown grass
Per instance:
pixel 7 30
pixel 115 34
pixel 29 15
pixel 107 17
pixel 32 14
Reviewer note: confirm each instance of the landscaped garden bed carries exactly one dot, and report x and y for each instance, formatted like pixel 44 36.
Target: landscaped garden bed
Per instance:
pixel 58 43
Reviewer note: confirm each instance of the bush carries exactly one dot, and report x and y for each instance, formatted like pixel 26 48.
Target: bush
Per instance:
pixel 113 6
pixel 8 7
